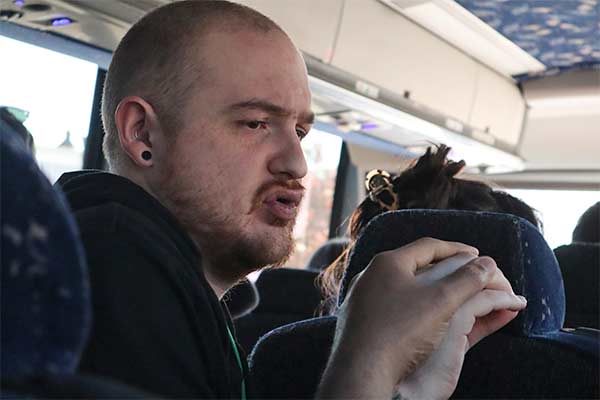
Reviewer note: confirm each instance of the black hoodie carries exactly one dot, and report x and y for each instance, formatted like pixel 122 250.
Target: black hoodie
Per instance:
pixel 157 324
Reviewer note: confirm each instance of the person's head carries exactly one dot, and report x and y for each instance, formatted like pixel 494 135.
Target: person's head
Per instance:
pixel 16 127
pixel 430 183
pixel 204 105
pixel 588 226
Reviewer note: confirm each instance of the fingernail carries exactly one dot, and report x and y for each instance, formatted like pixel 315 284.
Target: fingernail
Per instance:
pixel 473 250
pixel 523 299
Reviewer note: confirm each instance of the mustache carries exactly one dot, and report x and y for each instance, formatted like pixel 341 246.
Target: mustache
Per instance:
pixel 289 185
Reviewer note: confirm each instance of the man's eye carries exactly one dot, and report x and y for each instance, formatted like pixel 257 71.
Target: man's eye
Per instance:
pixel 256 124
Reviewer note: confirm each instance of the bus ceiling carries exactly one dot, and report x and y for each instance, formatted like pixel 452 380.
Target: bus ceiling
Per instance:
pixel 509 89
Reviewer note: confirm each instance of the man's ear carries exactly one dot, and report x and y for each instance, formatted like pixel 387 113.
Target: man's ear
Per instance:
pixel 137 126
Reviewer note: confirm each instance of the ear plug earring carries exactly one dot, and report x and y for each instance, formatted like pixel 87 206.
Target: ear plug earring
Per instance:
pixel 146 155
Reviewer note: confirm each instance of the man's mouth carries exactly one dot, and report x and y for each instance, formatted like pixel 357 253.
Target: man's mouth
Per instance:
pixel 283 203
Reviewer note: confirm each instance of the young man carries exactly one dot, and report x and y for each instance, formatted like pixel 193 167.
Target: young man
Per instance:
pixel 204 107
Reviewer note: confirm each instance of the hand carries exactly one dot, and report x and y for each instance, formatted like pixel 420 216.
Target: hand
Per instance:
pixel 390 322
pixel 480 316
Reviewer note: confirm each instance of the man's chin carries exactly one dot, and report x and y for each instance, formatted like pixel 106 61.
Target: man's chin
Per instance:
pixel 273 249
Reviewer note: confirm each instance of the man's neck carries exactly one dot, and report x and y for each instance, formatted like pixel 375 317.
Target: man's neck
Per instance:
pixel 218 285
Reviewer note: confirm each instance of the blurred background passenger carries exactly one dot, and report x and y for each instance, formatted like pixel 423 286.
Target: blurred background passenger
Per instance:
pixel 11 121
pixel 588 226
pixel 580 267
pixel 430 183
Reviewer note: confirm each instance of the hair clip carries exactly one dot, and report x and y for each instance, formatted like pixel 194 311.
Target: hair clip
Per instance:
pixel 381 190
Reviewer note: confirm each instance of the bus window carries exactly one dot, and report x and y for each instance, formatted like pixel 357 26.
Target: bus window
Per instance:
pixel 322 151
pixel 559 210
pixel 55 93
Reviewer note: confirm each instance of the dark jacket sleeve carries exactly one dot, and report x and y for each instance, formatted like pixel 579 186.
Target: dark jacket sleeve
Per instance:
pixel 142 330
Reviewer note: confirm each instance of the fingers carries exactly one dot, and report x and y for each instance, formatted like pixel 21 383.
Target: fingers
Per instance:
pixel 487 312
pixel 443 268
pixel 451 264
pixel 490 300
pixel 423 252
pixel 458 287
pixel 485 326
pixel 499 282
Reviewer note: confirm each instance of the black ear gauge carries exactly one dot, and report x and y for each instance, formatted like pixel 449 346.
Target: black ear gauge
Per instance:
pixel 146 155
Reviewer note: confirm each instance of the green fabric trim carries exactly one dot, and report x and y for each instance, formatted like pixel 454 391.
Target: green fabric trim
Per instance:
pixel 239 361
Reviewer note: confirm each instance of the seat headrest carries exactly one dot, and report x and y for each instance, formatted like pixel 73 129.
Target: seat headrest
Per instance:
pixel 288 290
pixel 580 266
pixel 588 227
pixel 45 300
pixel 516 245
pixel 327 254
pixel 242 299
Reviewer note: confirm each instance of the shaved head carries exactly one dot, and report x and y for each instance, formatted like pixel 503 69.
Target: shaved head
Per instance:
pixel 158 61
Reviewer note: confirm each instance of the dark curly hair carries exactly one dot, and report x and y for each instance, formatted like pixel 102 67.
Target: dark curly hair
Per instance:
pixel 430 183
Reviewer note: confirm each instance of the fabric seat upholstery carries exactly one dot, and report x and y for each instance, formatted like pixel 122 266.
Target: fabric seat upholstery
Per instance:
pixel 45 295
pixel 286 295
pixel 327 254
pixel 580 267
pixel 242 299
pixel 530 358
pixel 45 298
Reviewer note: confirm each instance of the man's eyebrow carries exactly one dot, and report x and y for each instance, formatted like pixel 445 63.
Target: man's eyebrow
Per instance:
pixel 271 108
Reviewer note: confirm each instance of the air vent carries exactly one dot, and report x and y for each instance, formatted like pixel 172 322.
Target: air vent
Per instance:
pixel 10 15
pixel 37 7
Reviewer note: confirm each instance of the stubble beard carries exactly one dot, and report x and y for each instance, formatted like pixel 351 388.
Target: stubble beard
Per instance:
pixel 224 243
pixel 236 252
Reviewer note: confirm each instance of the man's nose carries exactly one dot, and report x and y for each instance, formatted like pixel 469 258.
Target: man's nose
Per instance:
pixel 288 159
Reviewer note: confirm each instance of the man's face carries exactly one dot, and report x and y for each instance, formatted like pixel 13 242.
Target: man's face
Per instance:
pixel 235 169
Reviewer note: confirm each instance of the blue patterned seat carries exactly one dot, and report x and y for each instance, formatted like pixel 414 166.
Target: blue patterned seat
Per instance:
pixel 45 295
pixel 45 299
pixel 529 358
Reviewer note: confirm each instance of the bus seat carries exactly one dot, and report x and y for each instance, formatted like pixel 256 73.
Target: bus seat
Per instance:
pixel 327 253
pixel 529 358
pixel 522 255
pixel 286 295
pixel 288 362
pixel 45 296
pixel 580 266
pixel 241 299
pixel 45 299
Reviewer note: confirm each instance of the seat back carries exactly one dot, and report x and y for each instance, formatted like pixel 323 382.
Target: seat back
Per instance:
pixel 241 299
pixel 523 256
pixel 45 307
pixel 530 358
pixel 327 253
pixel 288 362
pixel 286 295
pixel 580 267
